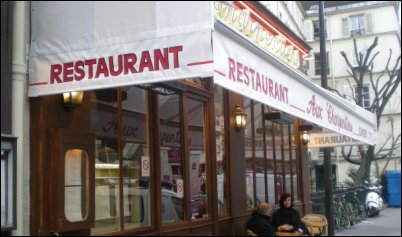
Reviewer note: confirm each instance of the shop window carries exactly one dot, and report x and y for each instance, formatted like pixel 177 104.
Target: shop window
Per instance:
pixel 133 207
pixel 198 164
pixel 271 159
pixel 136 158
pixel 126 127
pixel 171 156
pixel 249 155
pixel 222 176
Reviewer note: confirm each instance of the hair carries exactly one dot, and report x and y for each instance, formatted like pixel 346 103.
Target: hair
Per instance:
pixel 283 198
pixel 264 209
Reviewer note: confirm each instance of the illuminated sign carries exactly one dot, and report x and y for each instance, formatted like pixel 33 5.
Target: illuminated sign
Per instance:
pixel 259 31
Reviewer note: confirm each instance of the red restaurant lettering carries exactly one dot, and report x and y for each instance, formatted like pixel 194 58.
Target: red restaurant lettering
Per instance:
pixel 259 82
pixel 109 66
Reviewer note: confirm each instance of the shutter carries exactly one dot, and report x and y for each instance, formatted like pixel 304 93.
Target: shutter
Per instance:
pixel 369 23
pixel 345 27
pixel 308 30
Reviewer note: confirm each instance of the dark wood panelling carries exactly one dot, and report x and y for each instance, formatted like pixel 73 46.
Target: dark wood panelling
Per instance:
pixel 47 113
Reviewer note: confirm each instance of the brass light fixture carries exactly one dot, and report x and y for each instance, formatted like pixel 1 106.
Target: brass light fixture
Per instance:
pixel 305 133
pixel 73 98
pixel 240 118
pixel 305 137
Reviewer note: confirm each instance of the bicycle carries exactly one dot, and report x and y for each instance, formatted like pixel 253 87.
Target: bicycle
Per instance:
pixel 359 213
pixel 342 218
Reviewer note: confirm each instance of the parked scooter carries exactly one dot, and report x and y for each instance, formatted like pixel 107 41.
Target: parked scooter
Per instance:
pixel 374 202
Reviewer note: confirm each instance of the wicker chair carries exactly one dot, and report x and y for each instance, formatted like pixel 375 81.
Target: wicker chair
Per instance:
pixel 316 224
pixel 250 233
pixel 280 233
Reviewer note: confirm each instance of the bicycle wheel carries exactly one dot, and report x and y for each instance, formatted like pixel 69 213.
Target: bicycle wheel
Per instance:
pixel 344 218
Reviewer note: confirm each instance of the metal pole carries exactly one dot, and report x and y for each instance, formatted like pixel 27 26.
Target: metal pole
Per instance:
pixel 329 205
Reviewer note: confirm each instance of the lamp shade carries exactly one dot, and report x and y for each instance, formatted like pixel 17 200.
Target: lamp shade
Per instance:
pixel 73 98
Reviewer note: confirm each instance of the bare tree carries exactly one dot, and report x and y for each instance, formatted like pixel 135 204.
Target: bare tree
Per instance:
pixel 382 95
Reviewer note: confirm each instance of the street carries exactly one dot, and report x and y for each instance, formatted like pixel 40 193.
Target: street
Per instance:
pixel 387 223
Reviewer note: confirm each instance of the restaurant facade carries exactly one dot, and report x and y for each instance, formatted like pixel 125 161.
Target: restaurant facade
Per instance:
pixel 149 122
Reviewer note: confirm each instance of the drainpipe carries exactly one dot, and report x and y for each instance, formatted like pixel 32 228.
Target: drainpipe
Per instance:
pixel 20 113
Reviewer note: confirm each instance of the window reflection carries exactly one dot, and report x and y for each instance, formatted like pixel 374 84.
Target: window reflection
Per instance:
pixel 222 188
pixel 171 158
pixel 198 165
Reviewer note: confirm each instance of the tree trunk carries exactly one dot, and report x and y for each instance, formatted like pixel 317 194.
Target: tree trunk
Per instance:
pixel 363 173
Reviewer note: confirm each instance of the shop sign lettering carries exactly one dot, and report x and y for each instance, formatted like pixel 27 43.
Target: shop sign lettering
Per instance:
pixel 243 21
pixel 115 66
pixel 241 73
pixel 314 109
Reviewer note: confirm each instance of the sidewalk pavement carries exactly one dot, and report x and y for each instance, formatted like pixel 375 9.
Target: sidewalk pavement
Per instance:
pixel 387 223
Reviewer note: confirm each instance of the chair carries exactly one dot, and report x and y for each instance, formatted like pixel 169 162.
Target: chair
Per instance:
pixel 316 224
pixel 250 233
pixel 282 233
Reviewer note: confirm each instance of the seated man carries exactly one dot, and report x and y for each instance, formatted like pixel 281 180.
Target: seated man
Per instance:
pixel 260 222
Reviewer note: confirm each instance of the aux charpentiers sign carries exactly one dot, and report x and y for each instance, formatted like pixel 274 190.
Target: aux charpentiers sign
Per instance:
pixel 103 45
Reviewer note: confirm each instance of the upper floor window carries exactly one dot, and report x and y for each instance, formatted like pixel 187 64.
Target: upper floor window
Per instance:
pixel 357 25
pixel 317 63
pixel 316 26
pixel 365 96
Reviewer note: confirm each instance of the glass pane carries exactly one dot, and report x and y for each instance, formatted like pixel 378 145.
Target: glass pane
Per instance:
pixel 259 153
pixel 171 156
pixel 104 124
pixel 287 153
pixel 198 165
pixel 76 190
pixel 249 145
pixel 270 161
pixel 136 159
pixel 222 188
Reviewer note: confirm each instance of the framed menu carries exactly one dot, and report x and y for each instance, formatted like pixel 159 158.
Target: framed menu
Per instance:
pixel 8 182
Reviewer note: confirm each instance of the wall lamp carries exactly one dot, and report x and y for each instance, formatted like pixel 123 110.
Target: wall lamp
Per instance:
pixel 305 133
pixel 240 118
pixel 73 99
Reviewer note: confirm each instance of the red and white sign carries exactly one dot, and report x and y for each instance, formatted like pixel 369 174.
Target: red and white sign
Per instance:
pixel 145 166
pixel 97 45
pixel 180 188
pixel 246 69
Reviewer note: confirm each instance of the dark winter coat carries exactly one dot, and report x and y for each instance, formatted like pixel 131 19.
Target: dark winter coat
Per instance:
pixel 260 225
pixel 286 216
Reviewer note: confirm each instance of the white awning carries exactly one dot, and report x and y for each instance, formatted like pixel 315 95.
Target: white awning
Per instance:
pixel 94 45
pixel 79 46
pixel 245 68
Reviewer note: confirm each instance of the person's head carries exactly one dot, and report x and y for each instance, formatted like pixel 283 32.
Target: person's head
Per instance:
pixel 285 200
pixel 264 209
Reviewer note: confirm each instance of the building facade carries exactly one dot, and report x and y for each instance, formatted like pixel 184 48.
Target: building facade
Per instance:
pixel 362 21
pixel 133 124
